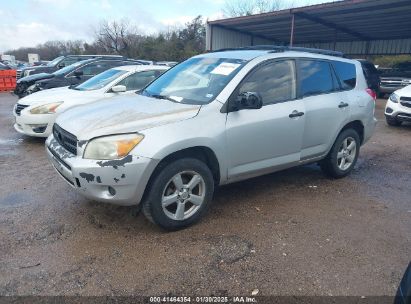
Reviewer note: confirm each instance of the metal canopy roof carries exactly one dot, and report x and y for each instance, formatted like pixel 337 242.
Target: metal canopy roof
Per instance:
pixel 349 20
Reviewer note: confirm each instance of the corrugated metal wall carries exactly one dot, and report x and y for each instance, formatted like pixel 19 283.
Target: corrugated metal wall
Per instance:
pixel 375 47
pixel 220 38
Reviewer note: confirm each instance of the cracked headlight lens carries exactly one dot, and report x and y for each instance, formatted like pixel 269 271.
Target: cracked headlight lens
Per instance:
pixel 112 147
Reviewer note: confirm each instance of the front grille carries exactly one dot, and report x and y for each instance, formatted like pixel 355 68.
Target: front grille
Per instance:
pixel 406 104
pixel 404 117
pixel 18 74
pixel 19 108
pixel 391 84
pixel 405 98
pixel 65 139
pixel 394 82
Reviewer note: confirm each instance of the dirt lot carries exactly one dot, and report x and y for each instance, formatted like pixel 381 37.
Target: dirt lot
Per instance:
pixel 290 233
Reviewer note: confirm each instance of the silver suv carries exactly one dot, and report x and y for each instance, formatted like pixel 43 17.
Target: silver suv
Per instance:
pixel 215 119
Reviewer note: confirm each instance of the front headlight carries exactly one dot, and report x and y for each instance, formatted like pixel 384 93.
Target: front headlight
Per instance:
pixel 27 72
pixel 112 147
pixel 394 98
pixel 49 108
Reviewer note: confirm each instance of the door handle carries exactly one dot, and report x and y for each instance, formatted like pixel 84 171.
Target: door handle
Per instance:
pixel 343 105
pixel 295 113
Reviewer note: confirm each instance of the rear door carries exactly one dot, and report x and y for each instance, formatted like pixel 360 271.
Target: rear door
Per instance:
pixel 138 80
pixel 327 107
pixel 261 140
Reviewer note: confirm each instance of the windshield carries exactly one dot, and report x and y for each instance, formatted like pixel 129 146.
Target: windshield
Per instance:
pixel 195 81
pixel 54 61
pixel 100 81
pixel 69 68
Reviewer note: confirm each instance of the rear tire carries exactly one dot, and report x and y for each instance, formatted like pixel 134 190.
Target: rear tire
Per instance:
pixel 343 155
pixel 392 122
pixel 179 194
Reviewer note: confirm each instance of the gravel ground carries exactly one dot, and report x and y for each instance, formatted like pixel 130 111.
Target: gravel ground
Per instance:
pixel 290 233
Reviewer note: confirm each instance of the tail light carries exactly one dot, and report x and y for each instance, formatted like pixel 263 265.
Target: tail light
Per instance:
pixel 372 94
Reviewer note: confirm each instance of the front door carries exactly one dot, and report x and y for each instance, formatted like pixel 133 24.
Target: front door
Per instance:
pixel 266 139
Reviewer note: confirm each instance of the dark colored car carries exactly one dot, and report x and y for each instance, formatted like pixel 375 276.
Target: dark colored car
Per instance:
pixel 4 67
pixel 59 63
pixel 403 295
pixel 372 75
pixel 71 75
pixel 396 78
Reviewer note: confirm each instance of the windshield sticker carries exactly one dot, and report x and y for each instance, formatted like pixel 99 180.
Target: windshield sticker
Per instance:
pixel 225 68
pixel 176 98
pixel 209 95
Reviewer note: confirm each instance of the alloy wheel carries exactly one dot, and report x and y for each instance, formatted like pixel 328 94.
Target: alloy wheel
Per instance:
pixel 183 195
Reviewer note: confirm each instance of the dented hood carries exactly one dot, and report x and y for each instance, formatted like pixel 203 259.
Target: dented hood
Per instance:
pixel 123 114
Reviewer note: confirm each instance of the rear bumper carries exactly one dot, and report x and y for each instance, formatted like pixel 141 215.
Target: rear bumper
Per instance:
pixel 92 178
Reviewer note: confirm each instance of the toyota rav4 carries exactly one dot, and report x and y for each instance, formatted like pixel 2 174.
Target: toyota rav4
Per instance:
pixel 215 119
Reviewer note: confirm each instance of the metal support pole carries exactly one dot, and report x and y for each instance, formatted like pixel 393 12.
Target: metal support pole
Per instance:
pixel 292 30
pixel 335 39
pixel 367 49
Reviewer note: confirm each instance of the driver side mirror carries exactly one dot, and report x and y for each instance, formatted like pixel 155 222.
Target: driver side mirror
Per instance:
pixel 247 100
pixel 119 89
pixel 61 65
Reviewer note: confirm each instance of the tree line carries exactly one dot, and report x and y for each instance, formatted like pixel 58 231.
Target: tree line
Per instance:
pixel 175 44
pixel 122 38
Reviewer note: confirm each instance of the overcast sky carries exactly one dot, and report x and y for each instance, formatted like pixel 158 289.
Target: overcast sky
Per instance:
pixel 30 22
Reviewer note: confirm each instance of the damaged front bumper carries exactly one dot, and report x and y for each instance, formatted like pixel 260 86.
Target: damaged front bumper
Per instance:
pixel 120 182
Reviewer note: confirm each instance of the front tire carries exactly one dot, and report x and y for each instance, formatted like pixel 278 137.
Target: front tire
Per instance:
pixel 343 155
pixel 179 194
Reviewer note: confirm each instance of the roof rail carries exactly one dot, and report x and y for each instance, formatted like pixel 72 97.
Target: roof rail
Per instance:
pixel 283 48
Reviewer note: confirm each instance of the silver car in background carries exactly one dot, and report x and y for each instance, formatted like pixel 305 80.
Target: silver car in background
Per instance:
pixel 215 119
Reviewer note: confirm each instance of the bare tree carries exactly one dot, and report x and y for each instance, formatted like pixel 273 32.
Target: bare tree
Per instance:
pixel 116 36
pixel 235 8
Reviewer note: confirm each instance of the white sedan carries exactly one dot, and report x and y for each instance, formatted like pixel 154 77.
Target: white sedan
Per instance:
pixel 35 114
pixel 398 108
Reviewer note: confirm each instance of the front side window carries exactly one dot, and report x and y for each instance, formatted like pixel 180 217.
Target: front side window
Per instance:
pixel 100 81
pixel 55 61
pixel 315 77
pixel 346 72
pixel 196 80
pixel 139 80
pixel 274 82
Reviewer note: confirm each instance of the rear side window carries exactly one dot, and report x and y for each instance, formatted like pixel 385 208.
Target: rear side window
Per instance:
pixel 94 68
pixel 346 72
pixel 315 77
